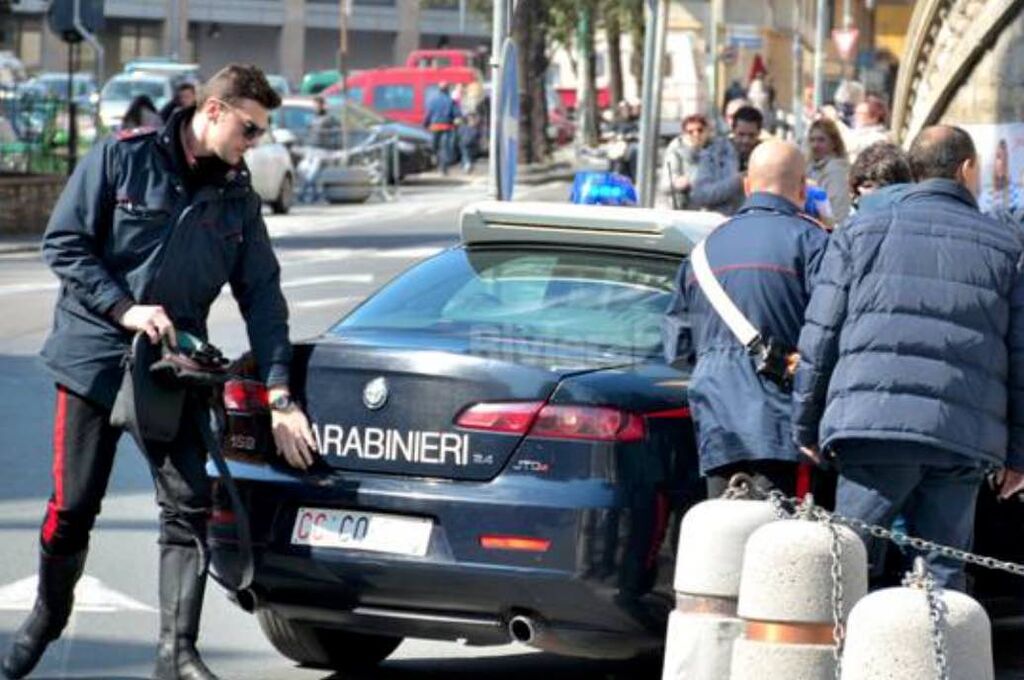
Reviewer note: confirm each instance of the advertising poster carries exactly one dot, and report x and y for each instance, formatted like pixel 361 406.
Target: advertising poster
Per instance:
pixel 1001 151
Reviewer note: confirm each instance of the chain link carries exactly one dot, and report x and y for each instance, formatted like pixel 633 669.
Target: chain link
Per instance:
pixel 921 578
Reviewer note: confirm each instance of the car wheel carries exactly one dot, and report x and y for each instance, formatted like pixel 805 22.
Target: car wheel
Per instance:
pixel 329 648
pixel 285 197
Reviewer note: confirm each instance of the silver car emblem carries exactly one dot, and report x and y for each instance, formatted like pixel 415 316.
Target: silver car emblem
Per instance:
pixel 375 394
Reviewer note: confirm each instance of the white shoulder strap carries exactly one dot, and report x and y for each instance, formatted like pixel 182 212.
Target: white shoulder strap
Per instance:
pixel 720 300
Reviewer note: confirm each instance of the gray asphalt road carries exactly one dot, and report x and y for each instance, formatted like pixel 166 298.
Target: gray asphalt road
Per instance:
pixel 331 257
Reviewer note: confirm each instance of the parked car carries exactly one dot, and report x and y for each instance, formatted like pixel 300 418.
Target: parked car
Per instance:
pixel 401 93
pixel 502 449
pixel 364 128
pixel 272 173
pixel 120 90
pixel 316 81
pixel 54 85
pixel 280 84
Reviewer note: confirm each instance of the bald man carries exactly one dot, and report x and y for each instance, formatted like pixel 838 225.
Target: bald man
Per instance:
pixel 764 258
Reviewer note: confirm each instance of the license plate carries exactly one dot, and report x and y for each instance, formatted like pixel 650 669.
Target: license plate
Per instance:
pixel 352 530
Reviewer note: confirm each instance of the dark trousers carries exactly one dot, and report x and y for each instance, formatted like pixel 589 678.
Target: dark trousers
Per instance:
pixel 937 502
pixel 767 474
pixel 444 147
pixel 84 444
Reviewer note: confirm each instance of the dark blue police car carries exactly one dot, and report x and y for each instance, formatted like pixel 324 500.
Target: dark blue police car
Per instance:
pixel 502 449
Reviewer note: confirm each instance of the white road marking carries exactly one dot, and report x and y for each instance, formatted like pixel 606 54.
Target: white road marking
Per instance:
pixel 325 302
pixel 41 287
pixel 334 278
pixel 91 595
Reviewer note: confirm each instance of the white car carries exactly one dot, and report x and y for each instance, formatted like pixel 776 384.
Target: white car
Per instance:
pixel 273 175
pixel 120 90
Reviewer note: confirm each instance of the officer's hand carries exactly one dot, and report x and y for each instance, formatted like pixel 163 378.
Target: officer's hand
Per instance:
pixel 293 437
pixel 1010 483
pixel 152 320
pixel 812 453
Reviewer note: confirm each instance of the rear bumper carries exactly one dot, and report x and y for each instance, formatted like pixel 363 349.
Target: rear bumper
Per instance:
pixel 601 590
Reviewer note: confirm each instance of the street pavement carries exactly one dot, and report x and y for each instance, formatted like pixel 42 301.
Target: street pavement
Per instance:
pixel 332 257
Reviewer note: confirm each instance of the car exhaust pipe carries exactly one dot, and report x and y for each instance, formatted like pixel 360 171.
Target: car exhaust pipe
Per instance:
pixel 247 599
pixel 525 629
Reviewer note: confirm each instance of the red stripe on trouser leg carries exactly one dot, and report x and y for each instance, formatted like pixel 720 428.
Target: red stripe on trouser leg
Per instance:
pixel 59 446
pixel 803 479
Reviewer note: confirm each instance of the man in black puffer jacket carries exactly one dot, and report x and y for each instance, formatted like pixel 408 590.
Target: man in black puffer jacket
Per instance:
pixel 912 355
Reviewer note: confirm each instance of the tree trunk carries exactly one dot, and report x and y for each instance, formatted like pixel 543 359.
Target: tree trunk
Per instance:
pixel 529 30
pixel 613 30
pixel 636 34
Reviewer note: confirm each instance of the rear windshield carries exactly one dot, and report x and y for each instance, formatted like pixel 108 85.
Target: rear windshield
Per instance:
pixel 568 301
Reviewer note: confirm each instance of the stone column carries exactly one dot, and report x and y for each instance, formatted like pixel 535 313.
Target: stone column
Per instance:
pixel 407 37
pixel 292 49
pixel 175 29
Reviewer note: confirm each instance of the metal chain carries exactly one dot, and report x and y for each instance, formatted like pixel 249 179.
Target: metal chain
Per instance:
pixel 922 579
pixel 838 630
pixel 779 501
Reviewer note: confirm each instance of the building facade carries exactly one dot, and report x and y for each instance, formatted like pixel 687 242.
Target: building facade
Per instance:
pixel 290 37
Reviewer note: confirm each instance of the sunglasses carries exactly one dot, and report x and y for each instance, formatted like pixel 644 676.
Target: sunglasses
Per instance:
pixel 250 130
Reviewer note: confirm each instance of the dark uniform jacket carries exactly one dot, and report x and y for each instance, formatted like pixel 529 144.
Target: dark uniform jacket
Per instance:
pixel 764 258
pixel 915 332
pixel 128 229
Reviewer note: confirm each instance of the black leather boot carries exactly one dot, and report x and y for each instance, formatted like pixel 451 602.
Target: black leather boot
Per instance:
pixel 58 575
pixel 182 583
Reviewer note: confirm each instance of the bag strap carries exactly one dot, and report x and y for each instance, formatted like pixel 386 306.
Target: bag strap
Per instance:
pixel 211 441
pixel 720 301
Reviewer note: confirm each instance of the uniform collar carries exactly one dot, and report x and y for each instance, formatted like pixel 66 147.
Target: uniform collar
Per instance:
pixel 942 187
pixel 170 141
pixel 762 200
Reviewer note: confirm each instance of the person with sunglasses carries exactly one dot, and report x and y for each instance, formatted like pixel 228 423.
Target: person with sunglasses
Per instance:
pixel 696 153
pixel 148 230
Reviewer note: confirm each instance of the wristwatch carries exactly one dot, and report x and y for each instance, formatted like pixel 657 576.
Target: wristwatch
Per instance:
pixel 282 402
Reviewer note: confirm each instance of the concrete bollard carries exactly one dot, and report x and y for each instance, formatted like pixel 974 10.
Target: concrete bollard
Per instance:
pixel 708 566
pixel 786 600
pixel 889 635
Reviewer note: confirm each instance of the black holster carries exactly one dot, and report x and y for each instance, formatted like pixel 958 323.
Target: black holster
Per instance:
pixel 771 361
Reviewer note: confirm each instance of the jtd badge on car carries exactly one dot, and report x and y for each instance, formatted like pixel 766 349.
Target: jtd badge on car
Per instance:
pixel 372 443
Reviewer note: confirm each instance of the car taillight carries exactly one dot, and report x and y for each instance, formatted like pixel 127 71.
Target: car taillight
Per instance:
pixel 601 423
pixel 512 417
pixel 245 395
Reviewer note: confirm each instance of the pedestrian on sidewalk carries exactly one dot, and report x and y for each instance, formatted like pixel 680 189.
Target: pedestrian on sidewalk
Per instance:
pixel 441 118
pixel 764 259
pixel 828 167
pixel 148 230
pixel 912 356
pixel 469 142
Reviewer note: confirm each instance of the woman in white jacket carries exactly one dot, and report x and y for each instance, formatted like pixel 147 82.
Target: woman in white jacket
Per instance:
pixel 827 166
